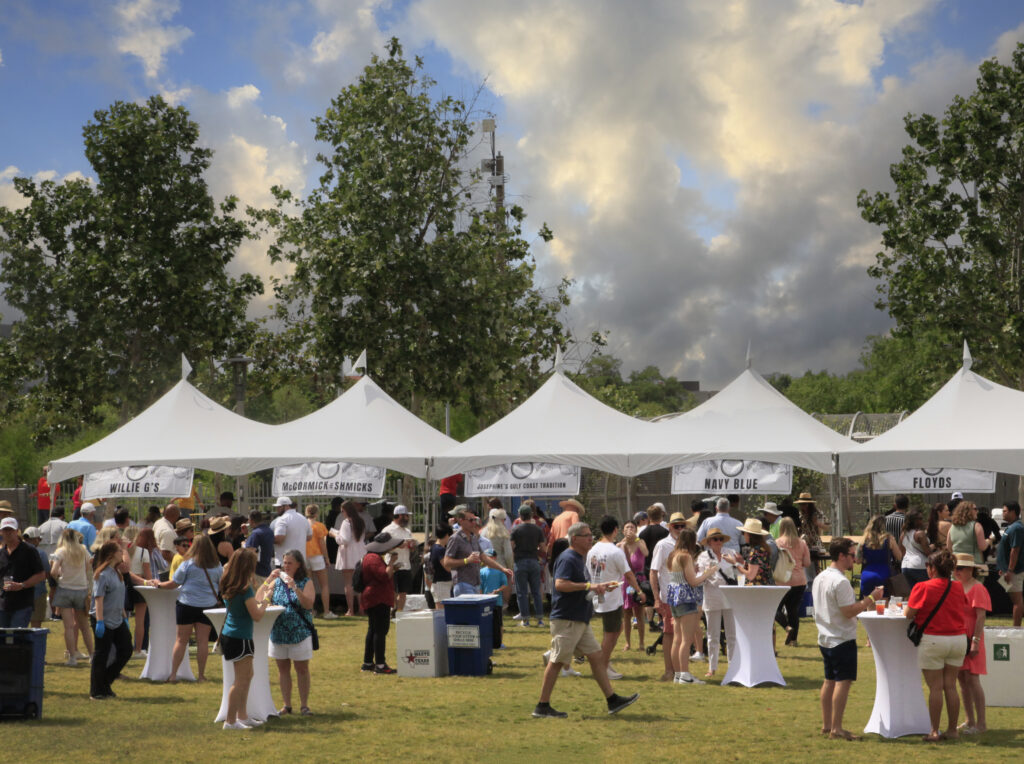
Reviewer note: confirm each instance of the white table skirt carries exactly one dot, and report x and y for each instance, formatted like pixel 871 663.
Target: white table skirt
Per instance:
pixel 163 631
pixel 260 703
pixel 753 609
pixel 900 708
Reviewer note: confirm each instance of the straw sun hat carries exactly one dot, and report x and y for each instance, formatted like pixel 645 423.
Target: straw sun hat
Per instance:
pixel 753 526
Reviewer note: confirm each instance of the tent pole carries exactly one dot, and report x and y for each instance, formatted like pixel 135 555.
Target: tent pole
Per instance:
pixel 629 498
pixel 837 493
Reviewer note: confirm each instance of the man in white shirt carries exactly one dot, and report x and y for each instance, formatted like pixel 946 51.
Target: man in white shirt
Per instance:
pixel 606 563
pixel 399 529
pixel 50 531
pixel 835 614
pixel 659 575
pixel 163 530
pixel 291 530
pixel 724 522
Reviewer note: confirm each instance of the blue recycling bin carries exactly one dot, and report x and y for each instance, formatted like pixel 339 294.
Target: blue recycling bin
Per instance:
pixel 22 662
pixel 469 620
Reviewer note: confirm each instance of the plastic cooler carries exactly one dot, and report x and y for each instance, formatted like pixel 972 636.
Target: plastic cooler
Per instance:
pixel 469 621
pixel 422 643
pixel 22 661
pixel 1005 664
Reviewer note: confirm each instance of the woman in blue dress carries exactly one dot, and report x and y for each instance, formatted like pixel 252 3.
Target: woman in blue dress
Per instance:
pixel 878 555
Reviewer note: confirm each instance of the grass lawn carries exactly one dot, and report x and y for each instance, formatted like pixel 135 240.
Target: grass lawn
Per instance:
pixel 363 717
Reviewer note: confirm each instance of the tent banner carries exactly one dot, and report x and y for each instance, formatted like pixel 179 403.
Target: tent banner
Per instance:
pixel 940 479
pixel 732 476
pixel 139 481
pixel 363 481
pixel 524 479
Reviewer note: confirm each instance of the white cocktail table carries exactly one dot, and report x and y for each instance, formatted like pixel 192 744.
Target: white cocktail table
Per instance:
pixel 753 609
pixel 260 704
pixel 900 707
pixel 163 630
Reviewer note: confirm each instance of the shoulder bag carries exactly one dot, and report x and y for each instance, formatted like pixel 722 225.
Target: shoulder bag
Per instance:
pixel 295 605
pixel 915 632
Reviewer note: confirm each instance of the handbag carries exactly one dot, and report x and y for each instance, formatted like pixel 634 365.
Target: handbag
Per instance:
pixel 915 632
pixel 784 566
pixel 682 593
pixel 294 604
pixel 220 600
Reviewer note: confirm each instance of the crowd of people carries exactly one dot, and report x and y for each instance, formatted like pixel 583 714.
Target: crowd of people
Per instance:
pixel 653 575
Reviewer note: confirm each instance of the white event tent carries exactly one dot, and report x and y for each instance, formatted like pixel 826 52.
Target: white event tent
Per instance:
pixel 970 423
pixel 558 424
pixel 749 419
pixel 365 425
pixel 182 429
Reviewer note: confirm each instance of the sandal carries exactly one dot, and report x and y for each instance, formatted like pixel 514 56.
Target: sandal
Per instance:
pixel 285 710
pixel 305 711
pixel 934 738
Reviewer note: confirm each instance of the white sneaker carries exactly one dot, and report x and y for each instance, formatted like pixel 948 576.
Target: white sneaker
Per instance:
pixel 139 654
pixel 236 726
pixel 517 617
pixel 70 660
pixel 613 674
pixel 250 722
pixel 685 677
pixel 330 616
pixel 697 656
pixel 570 672
pixel 524 624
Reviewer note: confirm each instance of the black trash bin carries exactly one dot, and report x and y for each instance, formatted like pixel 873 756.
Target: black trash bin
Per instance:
pixel 22 661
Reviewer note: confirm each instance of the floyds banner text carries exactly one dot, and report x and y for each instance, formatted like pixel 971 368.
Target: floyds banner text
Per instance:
pixel 319 478
pixel 524 479
pixel 732 476
pixel 138 481
pixel 938 480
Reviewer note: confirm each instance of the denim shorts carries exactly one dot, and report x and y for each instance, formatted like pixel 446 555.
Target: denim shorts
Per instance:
pixel 678 611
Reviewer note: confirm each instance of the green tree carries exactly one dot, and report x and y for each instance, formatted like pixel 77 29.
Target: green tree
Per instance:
pixel 115 280
pixel 390 254
pixel 952 267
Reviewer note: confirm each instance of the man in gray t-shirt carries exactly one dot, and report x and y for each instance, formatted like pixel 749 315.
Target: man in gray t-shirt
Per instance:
pixel 463 559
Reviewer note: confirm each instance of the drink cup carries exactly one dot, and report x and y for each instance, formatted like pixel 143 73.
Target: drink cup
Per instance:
pixel 880 607
pixel 8 580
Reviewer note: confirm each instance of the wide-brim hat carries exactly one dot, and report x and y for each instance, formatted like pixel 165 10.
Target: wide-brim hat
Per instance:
pixel 715 532
pixel 184 524
pixel 771 508
pixel 572 504
pixel 754 527
pixel 217 524
pixel 805 498
pixel 383 542
pixel 677 517
pixel 966 560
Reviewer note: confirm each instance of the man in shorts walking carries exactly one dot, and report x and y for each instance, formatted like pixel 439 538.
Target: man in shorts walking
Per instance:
pixel 835 614
pixel 570 625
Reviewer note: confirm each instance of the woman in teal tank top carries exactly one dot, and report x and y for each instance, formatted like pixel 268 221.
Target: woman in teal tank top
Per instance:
pixel 236 637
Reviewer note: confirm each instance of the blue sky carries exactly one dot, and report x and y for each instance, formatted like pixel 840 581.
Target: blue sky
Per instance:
pixel 698 162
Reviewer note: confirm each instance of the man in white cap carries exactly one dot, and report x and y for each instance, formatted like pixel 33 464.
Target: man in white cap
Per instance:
pixel 20 570
pixel 770 518
pixel 86 524
pixel 291 530
pixel 399 529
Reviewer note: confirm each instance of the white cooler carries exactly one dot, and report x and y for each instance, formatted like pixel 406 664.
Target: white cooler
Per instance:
pixel 1004 661
pixel 422 643
pixel 415 602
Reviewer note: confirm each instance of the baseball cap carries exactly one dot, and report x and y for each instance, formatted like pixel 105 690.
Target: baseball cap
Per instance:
pixel 283 501
pixel 401 509
pixel 957 495
pixel 9 522
pixel 88 508
pixel 32 532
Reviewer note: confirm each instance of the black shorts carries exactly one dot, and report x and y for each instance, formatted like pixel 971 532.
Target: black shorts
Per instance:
pixel 448 502
pixel 612 621
pixel 403 581
pixel 233 649
pixel 840 661
pixel 136 597
pixel 186 615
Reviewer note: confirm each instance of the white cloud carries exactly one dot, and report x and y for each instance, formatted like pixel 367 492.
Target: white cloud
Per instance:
pixel 779 101
pixel 144 32
pixel 241 95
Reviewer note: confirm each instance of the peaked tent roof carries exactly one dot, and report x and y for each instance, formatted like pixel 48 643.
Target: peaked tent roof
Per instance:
pixel 749 419
pixel 182 429
pixel 364 424
pixel 561 424
pixel 971 423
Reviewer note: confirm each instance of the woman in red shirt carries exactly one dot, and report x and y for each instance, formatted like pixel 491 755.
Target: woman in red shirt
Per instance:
pixel 377 599
pixel 944 644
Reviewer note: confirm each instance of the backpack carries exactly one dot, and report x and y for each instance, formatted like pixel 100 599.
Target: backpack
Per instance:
pixel 783 570
pixel 358 584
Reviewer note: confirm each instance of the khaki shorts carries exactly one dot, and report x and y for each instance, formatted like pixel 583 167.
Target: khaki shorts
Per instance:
pixel 40 609
pixel 937 651
pixel 1016 582
pixel 570 638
